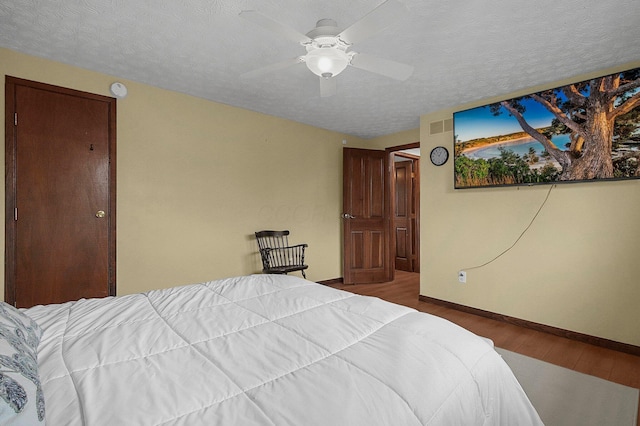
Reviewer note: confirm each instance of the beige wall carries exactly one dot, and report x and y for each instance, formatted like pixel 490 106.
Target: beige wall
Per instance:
pixel 195 179
pixel 395 139
pixel 576 268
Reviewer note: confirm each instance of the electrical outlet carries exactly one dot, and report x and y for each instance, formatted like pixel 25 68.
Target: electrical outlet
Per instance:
pixel 462 276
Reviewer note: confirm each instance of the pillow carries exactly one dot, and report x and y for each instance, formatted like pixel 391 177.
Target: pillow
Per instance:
pixel 21 398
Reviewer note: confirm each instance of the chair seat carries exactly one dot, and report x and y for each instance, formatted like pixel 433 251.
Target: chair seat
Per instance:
pixel 284 269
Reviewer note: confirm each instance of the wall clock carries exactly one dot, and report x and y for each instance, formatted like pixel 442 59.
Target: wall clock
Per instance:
pixel 439 155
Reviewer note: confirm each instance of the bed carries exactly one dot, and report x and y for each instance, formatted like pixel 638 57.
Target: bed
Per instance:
pixel 256 350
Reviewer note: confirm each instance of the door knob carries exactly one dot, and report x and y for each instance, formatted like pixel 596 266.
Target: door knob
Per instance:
pixel 100 214
pixel 348 216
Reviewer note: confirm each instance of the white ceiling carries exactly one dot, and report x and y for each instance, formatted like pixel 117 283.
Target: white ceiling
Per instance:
pixel 461 50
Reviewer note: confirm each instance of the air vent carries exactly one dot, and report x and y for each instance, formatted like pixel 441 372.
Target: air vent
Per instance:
pixel 436 127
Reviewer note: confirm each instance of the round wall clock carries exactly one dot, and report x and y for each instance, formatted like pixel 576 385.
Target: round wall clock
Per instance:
pixel 439 155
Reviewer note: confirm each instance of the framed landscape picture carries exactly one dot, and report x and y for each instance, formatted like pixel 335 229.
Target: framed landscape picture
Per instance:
pixel 585 131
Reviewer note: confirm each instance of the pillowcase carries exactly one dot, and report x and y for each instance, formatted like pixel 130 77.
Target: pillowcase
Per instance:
pixel 21 397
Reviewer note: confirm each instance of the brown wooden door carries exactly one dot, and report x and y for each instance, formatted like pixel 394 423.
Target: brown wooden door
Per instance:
pixel 405 220
pixel 366 251
pixel 60 194
pixel 402 214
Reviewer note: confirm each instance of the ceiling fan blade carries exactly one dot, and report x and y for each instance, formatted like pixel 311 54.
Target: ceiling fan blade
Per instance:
pixel 376 20
pixel 327 87
pixel 273 67
pixel 271 25
pixel 386 67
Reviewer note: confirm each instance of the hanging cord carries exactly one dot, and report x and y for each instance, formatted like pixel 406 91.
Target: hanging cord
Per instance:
pixel 519 238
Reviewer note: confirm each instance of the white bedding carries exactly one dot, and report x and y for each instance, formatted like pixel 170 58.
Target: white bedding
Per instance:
pixel 267 350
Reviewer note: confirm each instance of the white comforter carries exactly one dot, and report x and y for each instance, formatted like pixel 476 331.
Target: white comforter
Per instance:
pixel 267 350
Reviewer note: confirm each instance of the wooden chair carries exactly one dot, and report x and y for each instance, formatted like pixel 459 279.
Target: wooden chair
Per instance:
pixel 278 257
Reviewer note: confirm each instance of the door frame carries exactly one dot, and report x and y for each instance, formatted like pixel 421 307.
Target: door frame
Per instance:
pixel 11 176
pixel 390 190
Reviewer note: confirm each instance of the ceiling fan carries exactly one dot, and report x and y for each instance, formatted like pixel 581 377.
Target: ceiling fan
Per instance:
pixel 327 47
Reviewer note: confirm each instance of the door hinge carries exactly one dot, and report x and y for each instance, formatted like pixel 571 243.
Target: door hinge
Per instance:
pixel 15 214
pixel 15 118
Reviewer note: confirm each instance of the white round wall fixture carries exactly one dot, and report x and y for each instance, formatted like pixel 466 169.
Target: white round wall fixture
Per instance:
pixel 118 90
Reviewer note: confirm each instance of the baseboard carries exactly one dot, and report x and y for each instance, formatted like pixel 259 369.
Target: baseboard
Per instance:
pixel 332 281
pixel 580 337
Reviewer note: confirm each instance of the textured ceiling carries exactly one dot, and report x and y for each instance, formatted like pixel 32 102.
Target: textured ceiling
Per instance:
pixel 461 50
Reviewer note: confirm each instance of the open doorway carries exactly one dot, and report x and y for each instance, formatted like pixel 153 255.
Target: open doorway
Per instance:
pixel 404 241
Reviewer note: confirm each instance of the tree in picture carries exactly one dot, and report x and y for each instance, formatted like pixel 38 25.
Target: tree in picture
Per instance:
pixel 597 113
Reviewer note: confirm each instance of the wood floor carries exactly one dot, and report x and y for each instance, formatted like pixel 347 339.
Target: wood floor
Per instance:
pixel 607 364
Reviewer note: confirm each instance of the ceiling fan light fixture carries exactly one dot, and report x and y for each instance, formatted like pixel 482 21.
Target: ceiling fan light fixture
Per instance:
pixel 327 61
